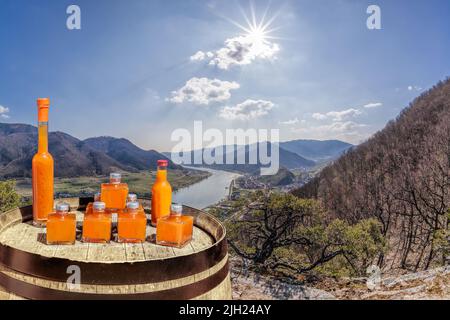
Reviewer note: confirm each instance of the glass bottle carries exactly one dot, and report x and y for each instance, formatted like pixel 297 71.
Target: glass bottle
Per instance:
pixel 97 225
pixel 161 193
pixel 42 169
pixel 176 229
pixel 97 198
pixel 61 225
pixel 114 194
pixel 132 224
pixel 132 197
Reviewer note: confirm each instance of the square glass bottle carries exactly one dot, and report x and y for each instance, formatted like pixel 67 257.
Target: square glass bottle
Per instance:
pixel 132 197
pixel 174 230
pixel 114 194
pixel 97 225
pixel 131 224
pixel 61 225
pixel 97 198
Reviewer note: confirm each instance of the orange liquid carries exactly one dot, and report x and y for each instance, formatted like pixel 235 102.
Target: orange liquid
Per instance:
pixel 61 228
pixel 175 231
pixel 42 179
pixel 161 196
pixel 88 208
pixel 97 227
pixel 114 195
pixel 131 226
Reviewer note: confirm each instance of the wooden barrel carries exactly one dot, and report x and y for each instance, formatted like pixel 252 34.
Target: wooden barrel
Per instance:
pixel 31 269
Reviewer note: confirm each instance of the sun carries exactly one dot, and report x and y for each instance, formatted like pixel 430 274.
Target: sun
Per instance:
pixel 257 31
pixel 257 35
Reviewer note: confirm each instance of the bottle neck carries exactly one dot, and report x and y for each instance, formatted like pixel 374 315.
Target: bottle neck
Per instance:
pixel 161 174
pixel 42 137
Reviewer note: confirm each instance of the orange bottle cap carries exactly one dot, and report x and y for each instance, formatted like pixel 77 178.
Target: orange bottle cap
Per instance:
pixel 43 102
pixel 43 105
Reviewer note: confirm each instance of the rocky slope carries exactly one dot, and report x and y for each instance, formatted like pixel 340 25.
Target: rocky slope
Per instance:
pixel 433 284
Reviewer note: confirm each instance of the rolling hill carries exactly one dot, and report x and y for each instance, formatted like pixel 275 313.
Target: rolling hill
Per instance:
pixel 126 153
pixel 73 157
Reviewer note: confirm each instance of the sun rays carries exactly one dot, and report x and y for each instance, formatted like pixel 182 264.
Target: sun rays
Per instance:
pixel 258 30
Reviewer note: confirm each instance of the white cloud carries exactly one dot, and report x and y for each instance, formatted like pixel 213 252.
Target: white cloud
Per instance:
pixel 200 55
pixel 3 112
pixel 415 88
pixel 319 116
pixel 373 105
pixel 343 127
pixel 337 115
pixel 249 109
pixel 202 91
pixel 241 50
pixel 290 122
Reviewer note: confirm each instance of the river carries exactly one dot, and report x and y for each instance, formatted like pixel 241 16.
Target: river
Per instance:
pixel 206 192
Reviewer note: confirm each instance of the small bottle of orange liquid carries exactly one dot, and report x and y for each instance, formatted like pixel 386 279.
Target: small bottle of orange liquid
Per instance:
pixel 114 194
pixel 61 225
pixel 132 224
pixel 97 198
pixel 174 230
pixel 161 193
pixel 132 197
pixel 97 225
pixel 42 169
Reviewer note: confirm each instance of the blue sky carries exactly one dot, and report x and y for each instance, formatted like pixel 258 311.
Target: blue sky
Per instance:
pixel 140 69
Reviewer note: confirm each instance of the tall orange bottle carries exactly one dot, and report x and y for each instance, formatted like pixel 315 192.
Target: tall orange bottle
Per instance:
pixel 42 169
pixel 161 193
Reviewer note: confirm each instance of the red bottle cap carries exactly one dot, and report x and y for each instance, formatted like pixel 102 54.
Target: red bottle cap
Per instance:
pixel 163 163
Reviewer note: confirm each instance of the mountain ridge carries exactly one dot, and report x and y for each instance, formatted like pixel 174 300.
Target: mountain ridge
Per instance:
pixel 73 157
pixel 317 150
pixel 287 159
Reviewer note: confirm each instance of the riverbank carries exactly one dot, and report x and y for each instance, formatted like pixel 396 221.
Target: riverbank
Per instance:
pixel 207 192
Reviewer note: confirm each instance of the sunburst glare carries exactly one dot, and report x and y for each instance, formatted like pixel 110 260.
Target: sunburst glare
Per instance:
pixel 257 31
pixel 255 42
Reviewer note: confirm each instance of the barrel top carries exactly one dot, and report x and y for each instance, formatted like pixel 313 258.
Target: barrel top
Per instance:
pixel 25 237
